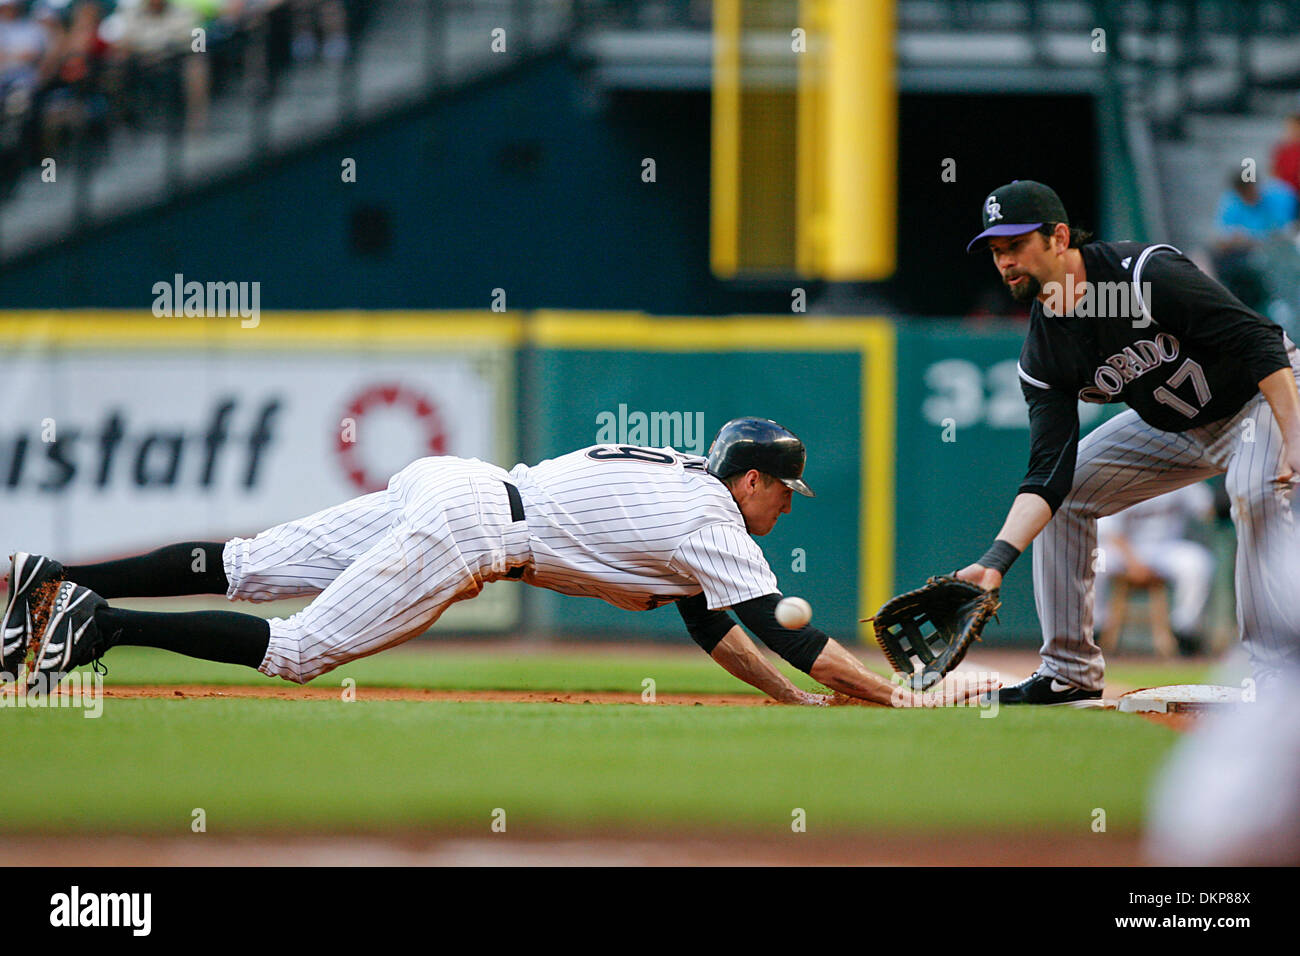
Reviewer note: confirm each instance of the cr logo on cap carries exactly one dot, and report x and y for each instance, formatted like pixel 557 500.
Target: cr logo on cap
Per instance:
pixel 992 209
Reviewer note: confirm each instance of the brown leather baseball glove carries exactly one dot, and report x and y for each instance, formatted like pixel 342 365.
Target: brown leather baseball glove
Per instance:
pixel 955 613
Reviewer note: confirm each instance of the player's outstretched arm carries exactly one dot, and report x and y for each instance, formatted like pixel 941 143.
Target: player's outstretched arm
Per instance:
pixel 1279 389
pixel 740 658
pixel 838 669
pixel 1028 516
pixel 731 647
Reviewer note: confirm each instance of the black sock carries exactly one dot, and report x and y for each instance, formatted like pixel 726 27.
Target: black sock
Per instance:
pixel 193 567
pixel 224 636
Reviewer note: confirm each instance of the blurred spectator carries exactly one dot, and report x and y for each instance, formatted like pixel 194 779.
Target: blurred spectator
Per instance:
pixel 1286 154
pixel 74 99
pixel 158 27
pixel 1254 211
pixel 249 11
pixel 73 68
pixel 23 44
pixel 156 40
pixel 1253 252
pixel 332 20
pixel 1148 543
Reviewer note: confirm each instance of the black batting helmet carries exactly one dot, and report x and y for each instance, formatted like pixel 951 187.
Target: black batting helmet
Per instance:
pixel 745 443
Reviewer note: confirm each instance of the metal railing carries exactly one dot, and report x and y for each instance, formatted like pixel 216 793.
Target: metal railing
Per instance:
pixel 250 77
pixel 255 111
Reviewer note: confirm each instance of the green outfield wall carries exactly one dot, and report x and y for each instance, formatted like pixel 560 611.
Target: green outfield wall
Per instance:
pixel 917 434
pixel 629 378
pixel 962 449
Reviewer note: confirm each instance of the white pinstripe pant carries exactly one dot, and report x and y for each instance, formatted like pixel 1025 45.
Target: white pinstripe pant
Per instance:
pixel 384 566
pixel 1124 461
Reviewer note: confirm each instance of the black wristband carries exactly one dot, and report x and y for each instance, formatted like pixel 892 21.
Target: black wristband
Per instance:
pixel 1000 556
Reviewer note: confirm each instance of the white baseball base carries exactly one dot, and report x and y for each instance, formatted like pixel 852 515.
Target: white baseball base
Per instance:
pixel 1179 699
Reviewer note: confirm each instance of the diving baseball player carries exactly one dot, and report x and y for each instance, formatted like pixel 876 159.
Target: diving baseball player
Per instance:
pixel 1211 389
pixel 636 527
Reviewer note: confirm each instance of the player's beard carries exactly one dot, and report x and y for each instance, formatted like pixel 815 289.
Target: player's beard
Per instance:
pixel 1026 291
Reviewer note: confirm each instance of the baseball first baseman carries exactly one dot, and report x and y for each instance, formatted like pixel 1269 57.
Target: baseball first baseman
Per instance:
pixel 636 527
pixel 1211 389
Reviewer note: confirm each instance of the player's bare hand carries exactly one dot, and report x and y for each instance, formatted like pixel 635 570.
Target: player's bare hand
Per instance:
pixel 956 688
pixel 1290 465
pixel 964 689
pixel 801 698
pixel 808 699
pixel 987 578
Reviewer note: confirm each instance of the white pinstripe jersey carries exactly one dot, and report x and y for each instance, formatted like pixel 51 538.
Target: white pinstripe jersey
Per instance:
pixel 638 527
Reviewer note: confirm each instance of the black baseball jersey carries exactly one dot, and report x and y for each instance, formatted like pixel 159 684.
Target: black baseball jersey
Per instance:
pixel 1154 331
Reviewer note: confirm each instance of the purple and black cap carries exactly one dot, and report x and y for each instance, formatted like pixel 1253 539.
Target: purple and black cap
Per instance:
pixel 1018 207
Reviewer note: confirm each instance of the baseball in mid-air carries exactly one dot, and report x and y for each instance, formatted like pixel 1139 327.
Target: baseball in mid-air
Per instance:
pixel 793 612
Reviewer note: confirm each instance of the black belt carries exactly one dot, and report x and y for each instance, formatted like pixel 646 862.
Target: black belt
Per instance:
pixel 516 514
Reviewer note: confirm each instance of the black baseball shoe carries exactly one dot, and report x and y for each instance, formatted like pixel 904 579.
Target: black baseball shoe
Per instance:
pixel 33 579
pixel 1040 688
pixel 70 638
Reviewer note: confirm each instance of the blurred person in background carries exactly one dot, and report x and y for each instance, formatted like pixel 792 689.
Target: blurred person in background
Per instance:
pixel 330 19
pixel 47 14
pixel 23 45
pixel 1148 543
pixel 156 35
pixel 245 13
pixel 75 98
pixel 1254 251
pixel 254 24
pixel 1250 212
pixel 1286 154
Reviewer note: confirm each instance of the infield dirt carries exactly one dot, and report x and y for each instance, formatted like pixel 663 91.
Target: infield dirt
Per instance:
pixel 561 848
pixel 1180 721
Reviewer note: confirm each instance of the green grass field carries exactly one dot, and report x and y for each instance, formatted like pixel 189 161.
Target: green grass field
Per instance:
pixel 256 764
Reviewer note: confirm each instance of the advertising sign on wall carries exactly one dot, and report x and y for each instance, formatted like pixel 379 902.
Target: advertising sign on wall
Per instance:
pixel 135 436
